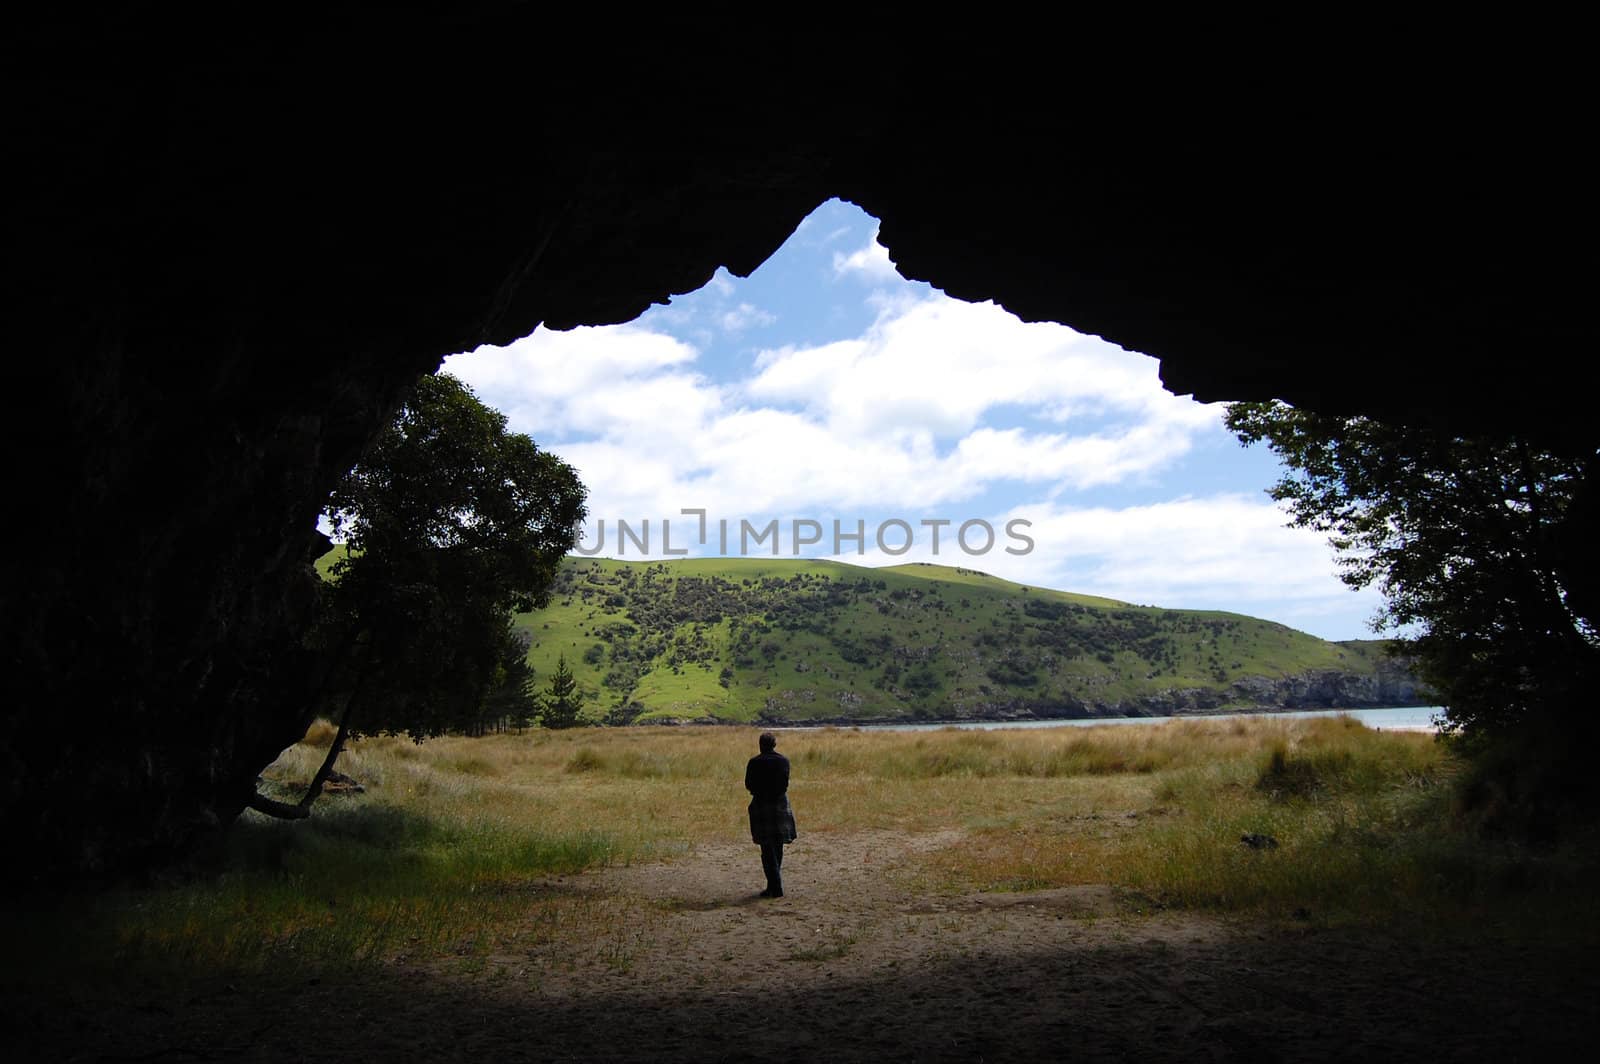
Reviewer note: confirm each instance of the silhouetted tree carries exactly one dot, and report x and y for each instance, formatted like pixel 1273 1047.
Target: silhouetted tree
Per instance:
pixel 1466 539
pixel 450 524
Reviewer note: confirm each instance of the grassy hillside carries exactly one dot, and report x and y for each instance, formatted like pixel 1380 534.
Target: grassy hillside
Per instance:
pixel 744 639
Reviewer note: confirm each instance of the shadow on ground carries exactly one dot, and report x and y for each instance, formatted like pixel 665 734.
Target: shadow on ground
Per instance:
pixel 1279 995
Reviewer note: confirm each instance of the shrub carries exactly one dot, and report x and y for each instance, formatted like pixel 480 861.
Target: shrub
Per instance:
pixel 585 760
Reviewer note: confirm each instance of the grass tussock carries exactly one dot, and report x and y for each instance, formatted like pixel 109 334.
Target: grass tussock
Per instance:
pixel 1360 826
pixel 321 734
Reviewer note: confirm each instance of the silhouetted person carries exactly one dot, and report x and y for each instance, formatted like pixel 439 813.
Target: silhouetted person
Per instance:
pixel 766 777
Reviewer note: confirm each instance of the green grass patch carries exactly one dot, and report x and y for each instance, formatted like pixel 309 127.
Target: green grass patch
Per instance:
pixel 740 638
pixel 359 882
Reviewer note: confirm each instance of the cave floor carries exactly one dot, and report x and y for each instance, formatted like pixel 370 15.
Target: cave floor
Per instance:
pixel 860 962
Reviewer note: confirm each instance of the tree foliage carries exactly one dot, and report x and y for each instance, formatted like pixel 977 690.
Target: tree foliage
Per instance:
pixel 451 523
pixel 562 702
pixel 1469 541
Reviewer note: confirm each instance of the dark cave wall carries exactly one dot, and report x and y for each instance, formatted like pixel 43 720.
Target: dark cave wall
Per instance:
pixel 239 260
pixel 239 248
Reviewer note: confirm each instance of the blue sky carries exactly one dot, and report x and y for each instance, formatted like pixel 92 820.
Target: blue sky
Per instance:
pixel 825 387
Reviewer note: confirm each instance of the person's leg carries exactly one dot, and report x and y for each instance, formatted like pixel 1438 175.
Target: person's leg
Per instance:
pixel 772 865
pixel 767 868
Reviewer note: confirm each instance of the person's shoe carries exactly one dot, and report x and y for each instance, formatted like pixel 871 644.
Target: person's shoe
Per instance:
pixel 774 893
pixel 766 893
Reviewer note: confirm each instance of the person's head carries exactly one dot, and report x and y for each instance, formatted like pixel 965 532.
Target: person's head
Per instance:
pixel 769 742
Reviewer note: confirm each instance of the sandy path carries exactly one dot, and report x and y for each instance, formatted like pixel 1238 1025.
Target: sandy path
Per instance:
pixel 861 962
pixel 853 907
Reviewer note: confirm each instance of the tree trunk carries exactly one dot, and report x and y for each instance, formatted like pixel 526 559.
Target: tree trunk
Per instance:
pixel 314 791
pixel 302 809
pixel 274 808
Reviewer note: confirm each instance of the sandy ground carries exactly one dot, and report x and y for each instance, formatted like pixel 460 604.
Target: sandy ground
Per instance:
pixel 860 962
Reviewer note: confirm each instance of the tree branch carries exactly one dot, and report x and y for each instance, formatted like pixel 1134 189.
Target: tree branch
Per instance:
pixel 314 791
pixel 302 809
pixel 274 808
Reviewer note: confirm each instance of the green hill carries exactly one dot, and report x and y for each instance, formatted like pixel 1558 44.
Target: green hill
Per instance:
pixel 741 639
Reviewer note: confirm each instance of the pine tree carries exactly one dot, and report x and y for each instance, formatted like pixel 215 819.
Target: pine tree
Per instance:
pixel 562 702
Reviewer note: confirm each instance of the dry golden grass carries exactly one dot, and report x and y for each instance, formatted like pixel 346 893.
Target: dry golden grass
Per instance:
pixel 320 734
pixel 1060 805
pixel 451 850
pixel 655 785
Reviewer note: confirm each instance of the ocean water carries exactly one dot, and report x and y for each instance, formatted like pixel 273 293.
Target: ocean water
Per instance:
pixel 1410 718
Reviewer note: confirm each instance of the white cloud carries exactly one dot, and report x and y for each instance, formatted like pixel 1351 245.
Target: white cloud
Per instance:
pixel 896 417
pixel 1228 551
pixel 940 365
pixel 581 381
pixel 744 316
pixel 871 262
pixel 1080 462
pixel 1187 551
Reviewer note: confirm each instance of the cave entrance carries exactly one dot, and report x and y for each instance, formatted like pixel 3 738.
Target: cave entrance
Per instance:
pixel 827 407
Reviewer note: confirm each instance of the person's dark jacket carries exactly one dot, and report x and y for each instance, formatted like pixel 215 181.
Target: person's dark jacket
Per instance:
pixel 767 776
